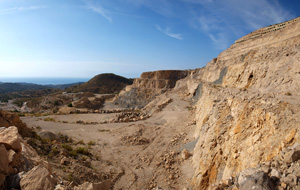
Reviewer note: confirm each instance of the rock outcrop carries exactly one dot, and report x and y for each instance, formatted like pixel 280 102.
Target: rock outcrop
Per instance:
pixel 148 86
pixel 9 138
pixel 17 160
pixel 8 119
pixel 38 178
pixel 247 107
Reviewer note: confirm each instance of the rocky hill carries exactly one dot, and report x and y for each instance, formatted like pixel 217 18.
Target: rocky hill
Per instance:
pixel 107 83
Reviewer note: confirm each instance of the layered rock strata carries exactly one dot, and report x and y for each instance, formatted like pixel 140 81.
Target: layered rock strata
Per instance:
pixel 247 105
pixel 149 85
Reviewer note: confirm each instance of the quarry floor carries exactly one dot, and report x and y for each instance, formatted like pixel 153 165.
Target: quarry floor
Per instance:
pixel 147 151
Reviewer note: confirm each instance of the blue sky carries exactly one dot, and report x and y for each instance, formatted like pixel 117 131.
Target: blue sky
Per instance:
pixel 83 38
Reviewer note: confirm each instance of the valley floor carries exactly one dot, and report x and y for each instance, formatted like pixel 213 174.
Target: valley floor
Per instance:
pixel 135 155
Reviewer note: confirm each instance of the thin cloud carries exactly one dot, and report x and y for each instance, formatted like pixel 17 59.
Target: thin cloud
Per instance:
pixel 161 7
pixel 224 21
pixel 20 9
pixel 96 7
pixel 220 40
pixel 168 33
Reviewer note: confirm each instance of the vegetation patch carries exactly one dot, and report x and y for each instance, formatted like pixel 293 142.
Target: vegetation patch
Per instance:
pixel 51 119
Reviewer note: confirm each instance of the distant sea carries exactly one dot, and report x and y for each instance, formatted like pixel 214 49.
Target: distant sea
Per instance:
pixel 44 81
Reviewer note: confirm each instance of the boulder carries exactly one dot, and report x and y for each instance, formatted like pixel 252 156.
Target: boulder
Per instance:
pixel 10 138
pixel 94 186
pixel 290 179
pixel 275 174
pixel 8 119
pixel 48 135
pixel 14 158
pixel 185 154
pixel 39 178
pixel 254 179
pixel 4 161
pixel 13 181
pixel 293 155
pixel 30 156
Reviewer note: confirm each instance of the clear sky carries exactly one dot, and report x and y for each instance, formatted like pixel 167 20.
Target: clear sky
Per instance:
pixel 83 38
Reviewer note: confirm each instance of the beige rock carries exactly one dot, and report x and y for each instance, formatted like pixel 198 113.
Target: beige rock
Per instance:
pixel 4 161
pixel 64 160
pixel 94 186
pixel 275 173
pixel 14 158
pixel 10 138
pixel 292 156
pixel 32 157
pixel 8 119
pixel 185 154
pixel 150 84
pixel 291 179
pixel 283 185
pixel 39 178
pixel 60 187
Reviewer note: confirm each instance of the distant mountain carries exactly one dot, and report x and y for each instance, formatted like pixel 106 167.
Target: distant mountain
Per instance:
pixel 64 86
pixel 106 83
pixel 16 87
pixel 20 87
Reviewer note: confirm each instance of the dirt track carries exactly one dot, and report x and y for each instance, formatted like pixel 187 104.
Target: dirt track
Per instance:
pixel 147 152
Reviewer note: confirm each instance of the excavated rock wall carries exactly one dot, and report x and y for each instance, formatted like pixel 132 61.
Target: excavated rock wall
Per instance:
pixel 247 107
pixel 148 86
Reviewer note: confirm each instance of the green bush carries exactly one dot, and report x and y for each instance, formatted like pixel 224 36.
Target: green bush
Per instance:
pixel 49 119
pixel 73 153
pixel 91 143
pixel 54 152
pixel 80 142
pixel 82 150
pixel 67 147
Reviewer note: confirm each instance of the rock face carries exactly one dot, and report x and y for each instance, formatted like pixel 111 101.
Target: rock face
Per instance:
pixel 149 85
pixel 10 153
pixel 11 119
pixel 38 178
pixel 17 157
pixel 9 138
pixel 247 106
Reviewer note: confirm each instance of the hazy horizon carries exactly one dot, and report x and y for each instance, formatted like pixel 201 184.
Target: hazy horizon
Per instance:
pixel 42 81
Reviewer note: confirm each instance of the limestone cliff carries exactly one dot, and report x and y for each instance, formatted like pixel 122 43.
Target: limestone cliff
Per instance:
pixel 149 85
pixel 247 104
